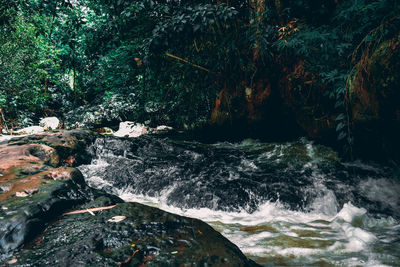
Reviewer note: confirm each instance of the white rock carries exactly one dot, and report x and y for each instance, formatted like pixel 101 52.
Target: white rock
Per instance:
pixel 6 137
pixel 30 130
pixel 130 129
pixel 50 123
pixel 21 194
pixel 163 128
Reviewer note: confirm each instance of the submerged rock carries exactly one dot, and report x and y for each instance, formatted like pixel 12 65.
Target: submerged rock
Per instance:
pixel 146 235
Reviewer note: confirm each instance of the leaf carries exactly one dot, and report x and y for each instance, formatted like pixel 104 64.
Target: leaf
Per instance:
pixel 339 103
pixel 341 136
pixel 91 212
pixel 117 219
pixel 14 260
pixel 340 117
pixel 340 126
pixel 350 140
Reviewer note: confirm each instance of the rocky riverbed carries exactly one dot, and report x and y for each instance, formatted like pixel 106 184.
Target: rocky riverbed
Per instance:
pixel 40 186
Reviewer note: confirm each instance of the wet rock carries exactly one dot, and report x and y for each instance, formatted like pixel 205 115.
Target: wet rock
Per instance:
pixel 38 188
pixel 146 236
pixel 27 154
pixel 70 146
pixel 33 192
pixel 228 177
pixel 35 200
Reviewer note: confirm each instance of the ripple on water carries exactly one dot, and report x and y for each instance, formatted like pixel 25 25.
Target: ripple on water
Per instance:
pixel 289 204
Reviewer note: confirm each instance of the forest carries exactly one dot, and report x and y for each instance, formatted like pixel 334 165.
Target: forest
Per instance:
pixel 286 112
pixel 314 65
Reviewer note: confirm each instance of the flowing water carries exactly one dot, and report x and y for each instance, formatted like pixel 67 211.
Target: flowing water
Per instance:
pixel 282 204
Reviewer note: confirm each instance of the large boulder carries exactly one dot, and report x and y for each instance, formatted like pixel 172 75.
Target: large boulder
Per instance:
pixel 29 202
pixel 130 234
pixel 70 146
pixel 33 191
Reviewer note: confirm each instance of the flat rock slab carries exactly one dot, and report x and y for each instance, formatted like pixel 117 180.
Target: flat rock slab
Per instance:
pixel 33 190
pixel 13 156
pixel 70 146
pixel 145 237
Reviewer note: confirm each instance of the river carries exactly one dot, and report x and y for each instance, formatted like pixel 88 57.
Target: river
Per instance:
pixel 282 204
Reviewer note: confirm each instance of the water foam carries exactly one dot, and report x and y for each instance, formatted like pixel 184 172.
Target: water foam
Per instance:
pixel 302 237
pixel 274 221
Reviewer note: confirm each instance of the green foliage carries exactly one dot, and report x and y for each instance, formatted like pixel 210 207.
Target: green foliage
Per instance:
pixel 22 58
pixel 163 61
pixel 331 47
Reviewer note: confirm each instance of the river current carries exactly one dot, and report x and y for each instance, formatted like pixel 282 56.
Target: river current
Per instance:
pixel 282 204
